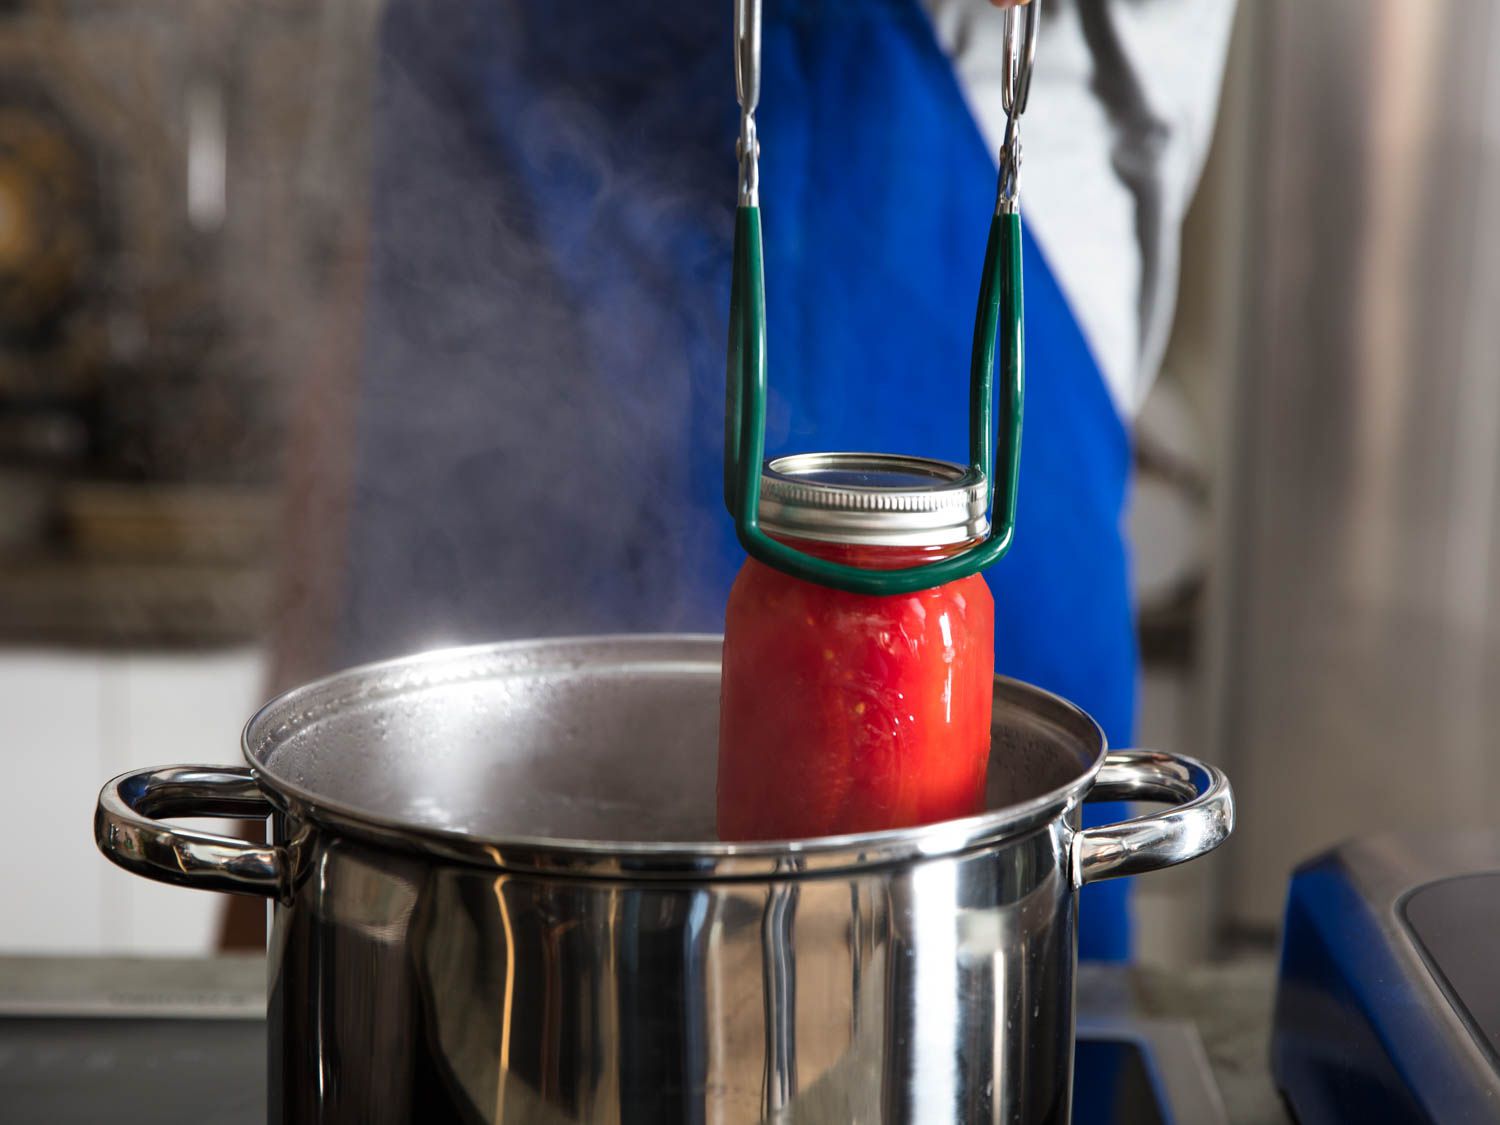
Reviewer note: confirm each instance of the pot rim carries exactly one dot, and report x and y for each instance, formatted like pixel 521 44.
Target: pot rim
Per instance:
pixel 695 860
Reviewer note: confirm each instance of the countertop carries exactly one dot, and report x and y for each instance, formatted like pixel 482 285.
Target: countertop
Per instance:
pixel 1229 1004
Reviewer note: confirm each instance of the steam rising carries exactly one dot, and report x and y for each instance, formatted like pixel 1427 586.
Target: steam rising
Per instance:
pixel 544 331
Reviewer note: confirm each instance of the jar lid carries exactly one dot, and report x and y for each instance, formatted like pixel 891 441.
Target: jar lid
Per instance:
pixel 875 499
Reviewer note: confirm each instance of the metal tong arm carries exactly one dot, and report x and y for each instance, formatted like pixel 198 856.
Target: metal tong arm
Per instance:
pixel 747 90
pixel 999 313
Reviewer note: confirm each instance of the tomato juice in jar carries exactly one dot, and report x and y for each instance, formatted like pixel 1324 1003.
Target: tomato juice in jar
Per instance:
pixel 846 712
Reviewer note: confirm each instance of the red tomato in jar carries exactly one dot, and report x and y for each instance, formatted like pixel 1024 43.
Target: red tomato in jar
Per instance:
pixel 850 713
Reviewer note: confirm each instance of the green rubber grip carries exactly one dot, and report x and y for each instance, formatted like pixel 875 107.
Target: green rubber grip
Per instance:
pixel 998 324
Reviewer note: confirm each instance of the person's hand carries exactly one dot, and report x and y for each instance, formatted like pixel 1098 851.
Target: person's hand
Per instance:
pixel 1009 3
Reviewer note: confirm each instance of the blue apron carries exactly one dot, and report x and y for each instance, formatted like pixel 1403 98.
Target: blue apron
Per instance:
pixel 540 422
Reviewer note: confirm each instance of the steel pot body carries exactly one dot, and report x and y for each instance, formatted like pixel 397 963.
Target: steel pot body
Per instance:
pixel 499 899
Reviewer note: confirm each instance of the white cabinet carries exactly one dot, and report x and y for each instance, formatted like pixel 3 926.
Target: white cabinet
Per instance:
pixel 68 722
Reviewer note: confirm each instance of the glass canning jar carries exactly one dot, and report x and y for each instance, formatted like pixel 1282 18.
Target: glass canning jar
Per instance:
pixel 846 712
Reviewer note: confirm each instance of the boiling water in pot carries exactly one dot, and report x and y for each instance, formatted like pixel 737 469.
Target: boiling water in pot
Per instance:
pixel 583 753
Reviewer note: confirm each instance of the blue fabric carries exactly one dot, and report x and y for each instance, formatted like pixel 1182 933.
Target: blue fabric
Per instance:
pixel 544 371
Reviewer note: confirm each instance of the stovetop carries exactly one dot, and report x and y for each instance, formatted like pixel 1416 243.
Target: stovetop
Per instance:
pixel 189 1071
pixel 199 1056
pixel 194 1071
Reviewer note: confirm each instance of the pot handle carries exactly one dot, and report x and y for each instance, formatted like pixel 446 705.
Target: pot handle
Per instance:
pixel 1200 822
pixel 129 832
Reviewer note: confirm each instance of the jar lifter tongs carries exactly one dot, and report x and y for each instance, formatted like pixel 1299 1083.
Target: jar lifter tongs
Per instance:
pixel 999 306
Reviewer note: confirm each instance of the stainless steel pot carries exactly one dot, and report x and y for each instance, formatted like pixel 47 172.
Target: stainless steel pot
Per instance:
pixel 499 898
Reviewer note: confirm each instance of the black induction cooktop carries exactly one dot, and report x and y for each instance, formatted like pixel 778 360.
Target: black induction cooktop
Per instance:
pixel 60 1069
pixel 198 1058
pixel 1455 923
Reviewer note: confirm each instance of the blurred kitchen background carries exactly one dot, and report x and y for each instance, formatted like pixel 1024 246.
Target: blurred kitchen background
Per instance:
pixel 181 206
